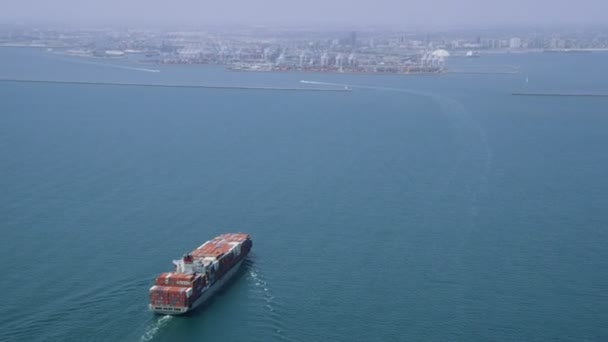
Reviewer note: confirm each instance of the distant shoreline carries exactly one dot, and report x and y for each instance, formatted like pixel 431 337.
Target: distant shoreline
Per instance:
pixel 334 72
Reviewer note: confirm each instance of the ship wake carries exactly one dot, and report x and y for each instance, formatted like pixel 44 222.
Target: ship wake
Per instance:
pixel 109 65
pixel 153 329
pixel 118 66
pixel 273 322
pixel 475 152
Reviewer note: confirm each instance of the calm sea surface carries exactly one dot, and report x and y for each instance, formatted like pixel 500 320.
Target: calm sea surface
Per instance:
pixel 414 208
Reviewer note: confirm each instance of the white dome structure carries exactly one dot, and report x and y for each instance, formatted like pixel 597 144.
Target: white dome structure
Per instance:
pixel 441 53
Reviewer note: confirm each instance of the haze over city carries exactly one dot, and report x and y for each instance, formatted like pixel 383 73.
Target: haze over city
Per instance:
pixel 290 12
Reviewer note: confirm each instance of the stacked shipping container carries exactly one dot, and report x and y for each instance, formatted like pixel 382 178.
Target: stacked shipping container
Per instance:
pixel 170 296
pixel 177 290
pixel 228 249
pixel 180 279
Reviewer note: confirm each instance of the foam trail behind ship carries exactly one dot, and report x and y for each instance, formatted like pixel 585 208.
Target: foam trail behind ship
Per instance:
pixel 110 65
pixel 467 127
pixel 118 66
pixel 274 319
pixel 357 86
pixel 322 83
pixel 153 328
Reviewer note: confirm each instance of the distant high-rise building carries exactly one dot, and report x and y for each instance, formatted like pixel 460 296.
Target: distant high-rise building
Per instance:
pixel 515 43
pixel 352 60
pixel 281 59
pixel 325 59
pixel 557 43
pixel 339 60
pixel 267 53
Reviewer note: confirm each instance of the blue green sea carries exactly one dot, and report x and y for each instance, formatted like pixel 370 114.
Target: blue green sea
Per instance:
pixel 413 208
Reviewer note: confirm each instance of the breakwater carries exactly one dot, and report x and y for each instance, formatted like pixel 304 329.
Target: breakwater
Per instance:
pixel 483 72
pixel 562 94
pixel 192 86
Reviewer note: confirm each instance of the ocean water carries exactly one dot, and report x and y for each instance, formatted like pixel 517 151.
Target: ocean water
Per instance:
pixel 419 208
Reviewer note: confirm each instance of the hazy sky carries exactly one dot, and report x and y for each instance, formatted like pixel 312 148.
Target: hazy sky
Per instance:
pixel 301 12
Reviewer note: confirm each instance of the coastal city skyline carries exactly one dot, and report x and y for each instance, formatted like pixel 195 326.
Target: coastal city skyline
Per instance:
pixel 305 49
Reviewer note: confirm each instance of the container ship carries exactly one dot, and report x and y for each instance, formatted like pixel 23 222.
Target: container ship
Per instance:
pixel 199 274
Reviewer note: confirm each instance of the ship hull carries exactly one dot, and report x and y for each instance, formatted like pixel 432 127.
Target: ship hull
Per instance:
pixel 205 296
